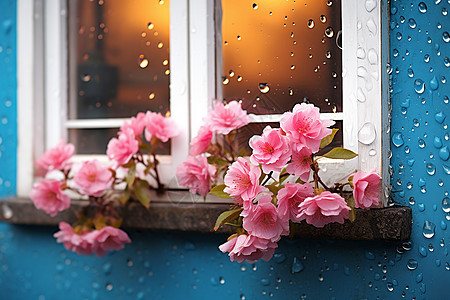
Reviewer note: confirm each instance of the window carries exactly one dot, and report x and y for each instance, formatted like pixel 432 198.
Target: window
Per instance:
pixel 196 77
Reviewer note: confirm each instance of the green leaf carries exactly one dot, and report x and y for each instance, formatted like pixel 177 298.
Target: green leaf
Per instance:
pixel 218 191
pixel 283 175
pixel 217 160
pixel 131 176
pixel 273 188
pixel 123 197
pixel 340 153
pixel 227 216
pixel 328 139
pixel 299 181
pixel 142 192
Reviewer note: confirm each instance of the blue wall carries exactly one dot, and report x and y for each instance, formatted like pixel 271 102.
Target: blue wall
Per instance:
pixel 8 107
pixel 189 266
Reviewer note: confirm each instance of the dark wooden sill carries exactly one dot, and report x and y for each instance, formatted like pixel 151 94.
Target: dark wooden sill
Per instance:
pixel 389 224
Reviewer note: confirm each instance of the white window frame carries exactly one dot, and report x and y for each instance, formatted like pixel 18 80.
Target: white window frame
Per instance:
pixel 195 80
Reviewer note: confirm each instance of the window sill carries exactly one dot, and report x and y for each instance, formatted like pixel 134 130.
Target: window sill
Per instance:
pixel 388 224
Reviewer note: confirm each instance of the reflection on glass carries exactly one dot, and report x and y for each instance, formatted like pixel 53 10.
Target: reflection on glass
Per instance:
pixel 278 53
pixel 118 59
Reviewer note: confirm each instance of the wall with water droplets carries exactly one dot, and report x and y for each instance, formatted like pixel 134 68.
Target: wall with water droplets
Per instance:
pixel 8 108
pixel 189 266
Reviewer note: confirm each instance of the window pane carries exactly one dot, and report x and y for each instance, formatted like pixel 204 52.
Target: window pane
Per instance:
pixel 276 53
pixel 118 58
pixel 94 141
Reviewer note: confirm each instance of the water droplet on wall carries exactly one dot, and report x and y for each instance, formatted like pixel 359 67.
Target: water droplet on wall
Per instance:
pixel 444 153
pixel 431 168
pixel 412 264
pixel 428 229
pixel 446 37
pixel 419 86
pixel 422 7
pixel 297 265
pixel 434 84
pixel 397 139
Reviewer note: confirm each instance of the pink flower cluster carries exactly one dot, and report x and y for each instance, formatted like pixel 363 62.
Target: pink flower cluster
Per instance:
pixel 268 205
pixel 97 242
pixel 366 189
pixel 56 158
pixel 92 179
pixel 196 173
pixel 48 194
pixel 152 125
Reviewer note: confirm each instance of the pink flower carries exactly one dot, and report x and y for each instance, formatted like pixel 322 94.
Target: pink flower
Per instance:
pixel 107 238
pixel 196 174
pixel 291 196
pixel 264 221
pixel 300 164
pixel 365 189
pixel 122 149
pixel 92 178
pixel 323 209
pixel 200 143
pixel 56 158
pixel 79 243
pixel 48 196
pixel 304 126
pixel 242 180
pixel 271 150
pixel 163 128
pixel 248 248
pixel 136 124
pixel 225 118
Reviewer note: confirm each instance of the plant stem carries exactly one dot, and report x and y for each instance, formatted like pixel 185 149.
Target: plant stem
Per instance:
pixel 317 179
pixel 155 167
pixel 267 178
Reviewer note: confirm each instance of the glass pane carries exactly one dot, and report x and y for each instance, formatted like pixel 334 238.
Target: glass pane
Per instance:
pixel 118 58
pixel 278 53
pixel 94 141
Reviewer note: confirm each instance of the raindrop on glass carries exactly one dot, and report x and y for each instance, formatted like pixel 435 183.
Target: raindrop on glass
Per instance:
pixel 264 88
pixel 329 32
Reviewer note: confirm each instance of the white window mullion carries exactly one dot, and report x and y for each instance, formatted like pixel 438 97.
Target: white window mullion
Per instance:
pixel 365 90
pixel 179 88
pixel 202 60
pixel 55 80
pixel 25 94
